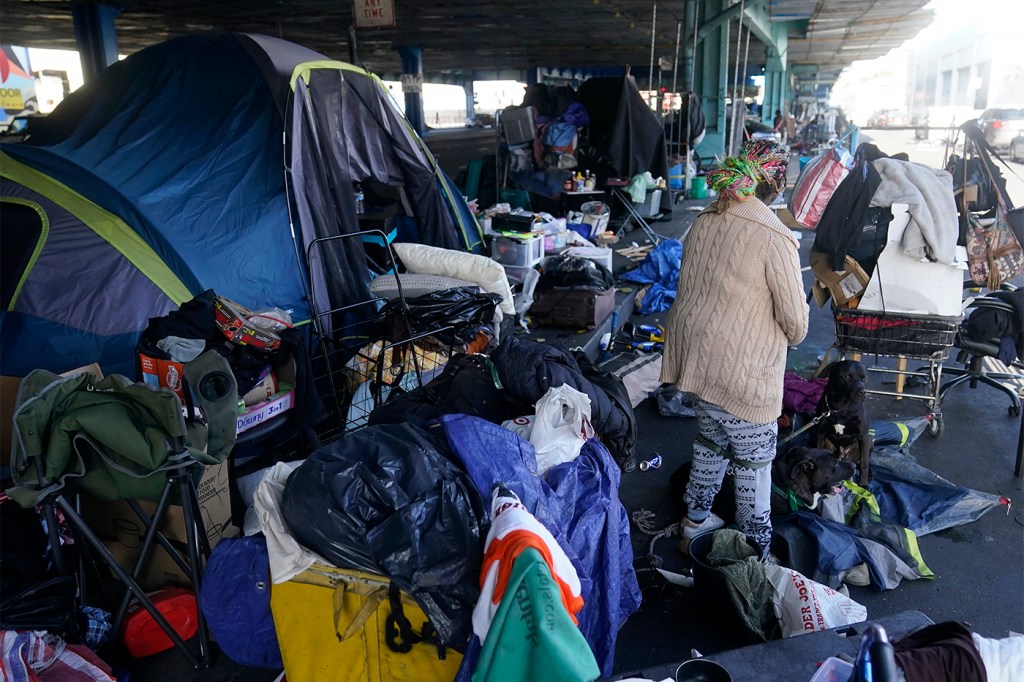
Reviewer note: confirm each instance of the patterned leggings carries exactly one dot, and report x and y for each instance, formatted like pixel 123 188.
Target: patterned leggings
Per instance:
pixel 751 442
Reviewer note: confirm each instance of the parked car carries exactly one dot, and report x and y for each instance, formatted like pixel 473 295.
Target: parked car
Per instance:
pixel 887 117
pixel 1002 125
pixel 1017 148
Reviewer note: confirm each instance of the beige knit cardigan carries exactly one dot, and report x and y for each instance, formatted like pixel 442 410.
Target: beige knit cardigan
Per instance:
pixel 739 306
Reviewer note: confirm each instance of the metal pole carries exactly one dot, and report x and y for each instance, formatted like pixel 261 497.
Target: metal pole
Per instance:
pixel 654 26
pixel 735 83
pixel 353 56
pixel 746 53
pixel 675 73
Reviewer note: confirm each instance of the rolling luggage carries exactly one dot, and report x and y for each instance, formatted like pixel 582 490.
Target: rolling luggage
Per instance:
pixel 572 308
pixel 351 626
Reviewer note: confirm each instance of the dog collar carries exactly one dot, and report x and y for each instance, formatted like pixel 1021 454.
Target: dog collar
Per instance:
pixel 795 503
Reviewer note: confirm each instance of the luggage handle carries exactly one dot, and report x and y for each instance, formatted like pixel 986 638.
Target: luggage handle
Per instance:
pixel 368 607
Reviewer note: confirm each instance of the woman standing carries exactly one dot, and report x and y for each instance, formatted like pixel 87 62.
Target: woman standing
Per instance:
pixel 739 306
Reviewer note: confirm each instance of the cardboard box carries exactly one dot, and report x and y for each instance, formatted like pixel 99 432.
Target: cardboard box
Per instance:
pixel 274 405
pixel 904 284
pixel 843 287
pixel 233 320
pixel 122 531
pixel 163 373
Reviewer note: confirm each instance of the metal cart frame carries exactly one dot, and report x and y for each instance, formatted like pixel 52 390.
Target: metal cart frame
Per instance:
pixel 927 338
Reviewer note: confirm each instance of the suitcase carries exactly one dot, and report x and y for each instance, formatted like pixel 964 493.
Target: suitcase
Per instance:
pixel 332 624
pixel 572 308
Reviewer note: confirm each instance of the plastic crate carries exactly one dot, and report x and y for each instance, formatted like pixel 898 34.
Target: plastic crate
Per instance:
pixel 895 334
pixel 521 251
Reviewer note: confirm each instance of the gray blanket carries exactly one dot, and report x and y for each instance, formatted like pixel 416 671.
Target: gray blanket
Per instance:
pixel 933 228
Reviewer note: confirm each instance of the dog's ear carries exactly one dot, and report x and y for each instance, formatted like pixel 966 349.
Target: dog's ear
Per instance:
pixel 801 459
pixel 826 373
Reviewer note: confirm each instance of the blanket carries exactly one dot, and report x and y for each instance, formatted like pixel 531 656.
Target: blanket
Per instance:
pixel 933 229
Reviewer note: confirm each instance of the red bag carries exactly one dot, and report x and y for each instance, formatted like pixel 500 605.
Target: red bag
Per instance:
pixel 141 634
pixel 817 183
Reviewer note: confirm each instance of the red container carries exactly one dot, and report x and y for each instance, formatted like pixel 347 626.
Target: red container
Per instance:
pixel 142 636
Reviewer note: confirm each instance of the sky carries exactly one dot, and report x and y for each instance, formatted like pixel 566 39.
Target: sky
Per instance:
pixel 869 85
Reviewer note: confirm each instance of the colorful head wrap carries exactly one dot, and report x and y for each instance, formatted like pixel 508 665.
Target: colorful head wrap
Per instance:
pixel 759 162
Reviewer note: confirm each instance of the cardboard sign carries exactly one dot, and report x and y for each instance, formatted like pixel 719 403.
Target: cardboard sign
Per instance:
pixel 373 13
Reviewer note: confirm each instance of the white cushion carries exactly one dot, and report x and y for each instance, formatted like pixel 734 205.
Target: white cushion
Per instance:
pixel 481 270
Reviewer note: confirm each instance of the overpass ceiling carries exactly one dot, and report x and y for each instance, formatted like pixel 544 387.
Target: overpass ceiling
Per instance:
pixel 466 35
pixel 842 31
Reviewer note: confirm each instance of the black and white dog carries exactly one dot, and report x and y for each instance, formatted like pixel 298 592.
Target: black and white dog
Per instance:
pixel 844 425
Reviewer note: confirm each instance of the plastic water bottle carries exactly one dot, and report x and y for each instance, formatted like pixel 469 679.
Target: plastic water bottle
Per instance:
pixel 360 199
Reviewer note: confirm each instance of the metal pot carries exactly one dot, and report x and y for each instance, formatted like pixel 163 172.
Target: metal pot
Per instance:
pixel 702 670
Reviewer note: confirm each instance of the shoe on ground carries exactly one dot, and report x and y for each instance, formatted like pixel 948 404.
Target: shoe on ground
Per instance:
pixel 629 464
pixel 691 530
pixel 858 576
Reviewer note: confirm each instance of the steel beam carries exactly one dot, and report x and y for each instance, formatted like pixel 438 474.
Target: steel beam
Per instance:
pixel 95 35
pixel 412 64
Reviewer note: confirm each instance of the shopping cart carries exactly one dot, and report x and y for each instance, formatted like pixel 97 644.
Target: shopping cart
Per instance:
pixel 927 338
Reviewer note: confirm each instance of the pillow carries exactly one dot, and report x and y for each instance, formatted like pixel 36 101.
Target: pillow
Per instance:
pixel 480 270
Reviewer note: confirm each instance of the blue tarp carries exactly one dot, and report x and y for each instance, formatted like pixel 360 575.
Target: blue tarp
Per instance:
pixel 920 499
pixel 660 269
pixel 579 503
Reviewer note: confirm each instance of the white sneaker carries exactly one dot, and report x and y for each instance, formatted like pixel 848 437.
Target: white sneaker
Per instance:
pixel 858 576
pixel 691 530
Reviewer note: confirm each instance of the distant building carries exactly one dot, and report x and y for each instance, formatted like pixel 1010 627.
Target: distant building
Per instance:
pixel 956 76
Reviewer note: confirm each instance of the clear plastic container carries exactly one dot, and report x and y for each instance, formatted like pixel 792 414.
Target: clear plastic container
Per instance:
pixel 833 670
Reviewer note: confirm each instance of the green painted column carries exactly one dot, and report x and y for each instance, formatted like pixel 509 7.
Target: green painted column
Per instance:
pixel 711 79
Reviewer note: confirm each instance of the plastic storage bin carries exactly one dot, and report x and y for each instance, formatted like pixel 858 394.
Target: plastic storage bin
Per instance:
pixel 833 670
pixel 520 251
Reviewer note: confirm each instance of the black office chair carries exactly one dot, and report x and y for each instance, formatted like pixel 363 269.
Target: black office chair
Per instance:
pixel 975 349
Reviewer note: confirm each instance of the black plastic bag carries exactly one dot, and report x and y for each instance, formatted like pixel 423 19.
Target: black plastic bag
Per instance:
pixel 976 174
pixel 386 500
pixel 468 385
pixel 568 271
pixel 461 308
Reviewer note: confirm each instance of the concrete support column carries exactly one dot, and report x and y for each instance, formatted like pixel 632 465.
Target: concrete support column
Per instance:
pixel 412 85
pixel 95 35
pixel 467 87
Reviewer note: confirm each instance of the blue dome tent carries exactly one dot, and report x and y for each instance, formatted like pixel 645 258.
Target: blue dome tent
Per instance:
pixel 205 162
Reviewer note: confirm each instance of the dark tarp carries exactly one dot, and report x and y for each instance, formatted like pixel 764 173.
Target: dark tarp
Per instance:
pixel 625 130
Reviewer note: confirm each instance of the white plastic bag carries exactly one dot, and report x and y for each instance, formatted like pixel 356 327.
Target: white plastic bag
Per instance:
pixel 523 426
pixel 803 606
pixel 561 427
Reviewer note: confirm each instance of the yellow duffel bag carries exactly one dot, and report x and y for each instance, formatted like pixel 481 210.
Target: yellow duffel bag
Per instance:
pixel 333 626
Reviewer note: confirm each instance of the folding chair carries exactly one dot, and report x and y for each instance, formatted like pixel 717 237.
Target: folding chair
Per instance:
pixel 118 439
